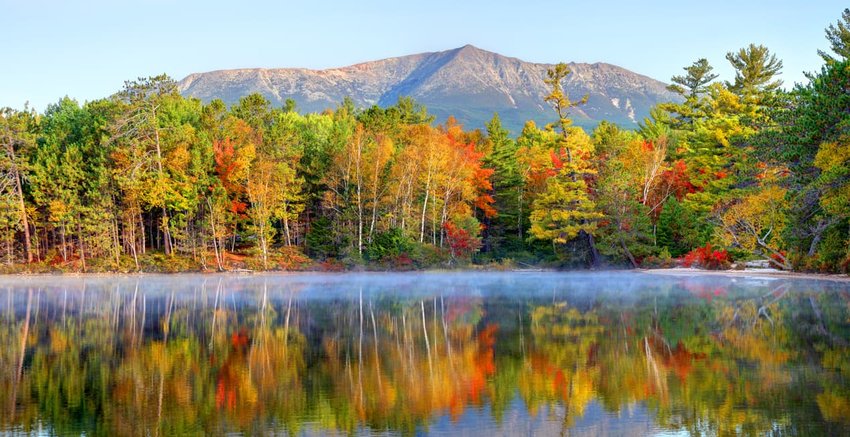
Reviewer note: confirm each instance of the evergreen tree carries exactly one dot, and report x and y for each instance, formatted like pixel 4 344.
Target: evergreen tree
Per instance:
pixel 565 211
pixel 16 142
pixel 503 231
pixel 838 35
pixel 699 75
pixel 755 72
pixel 692 86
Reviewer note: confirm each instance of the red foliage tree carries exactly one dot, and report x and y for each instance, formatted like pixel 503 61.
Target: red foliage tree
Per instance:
pixel 461 242
pixel 225 166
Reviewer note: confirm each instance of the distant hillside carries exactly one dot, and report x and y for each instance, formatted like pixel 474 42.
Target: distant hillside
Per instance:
pixel 466 82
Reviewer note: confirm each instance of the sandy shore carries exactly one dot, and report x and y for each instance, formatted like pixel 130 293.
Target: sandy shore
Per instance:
pixel 747 273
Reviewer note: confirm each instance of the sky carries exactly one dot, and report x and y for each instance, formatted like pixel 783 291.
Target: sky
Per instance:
pixel 86 50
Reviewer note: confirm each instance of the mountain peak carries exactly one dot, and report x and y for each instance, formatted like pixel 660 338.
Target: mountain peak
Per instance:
pixel 468 82
pixel 469 48
pixel 470 51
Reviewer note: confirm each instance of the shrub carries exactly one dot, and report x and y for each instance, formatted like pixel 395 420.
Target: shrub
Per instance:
pixel 430 256
pixel 462 235
pixel 389 245
pixel 661 261
pixel 291 258
pixel 708 258
pixel 331 265
pixel 778 261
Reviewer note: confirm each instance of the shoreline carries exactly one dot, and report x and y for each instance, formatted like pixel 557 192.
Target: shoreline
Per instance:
pixel 675 271
pixel 748 273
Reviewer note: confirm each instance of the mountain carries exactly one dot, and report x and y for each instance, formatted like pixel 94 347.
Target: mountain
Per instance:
pixel 467 82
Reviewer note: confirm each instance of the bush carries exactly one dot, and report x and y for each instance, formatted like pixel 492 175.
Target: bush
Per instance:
pixel 331 265
pixel 707 258
pixel 429 256
pixel 462 237
pixel 159 262
pixel 291 258
pixel 661 261
pixel 502 265
pixel 389 245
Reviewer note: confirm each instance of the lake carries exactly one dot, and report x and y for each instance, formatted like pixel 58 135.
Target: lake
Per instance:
pixel 608 353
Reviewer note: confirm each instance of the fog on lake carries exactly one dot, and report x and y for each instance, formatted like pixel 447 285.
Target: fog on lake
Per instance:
pixel 618 353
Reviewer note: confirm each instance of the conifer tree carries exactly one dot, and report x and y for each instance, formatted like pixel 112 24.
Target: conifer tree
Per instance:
pixel 838 35
pixel 565 210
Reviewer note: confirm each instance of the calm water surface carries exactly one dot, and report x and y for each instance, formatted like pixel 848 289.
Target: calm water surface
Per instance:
pixel 424 353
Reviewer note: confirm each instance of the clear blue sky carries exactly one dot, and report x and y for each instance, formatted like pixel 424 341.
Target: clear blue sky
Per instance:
pixel 87 49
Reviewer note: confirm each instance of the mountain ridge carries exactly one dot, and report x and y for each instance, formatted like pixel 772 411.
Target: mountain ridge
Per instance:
pixel 467 82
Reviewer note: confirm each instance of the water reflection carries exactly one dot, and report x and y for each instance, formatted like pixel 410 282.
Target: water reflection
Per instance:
pixel 417 353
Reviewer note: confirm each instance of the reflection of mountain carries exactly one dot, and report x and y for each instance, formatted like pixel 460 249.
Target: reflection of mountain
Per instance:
pixel 466 82
pixel 495 354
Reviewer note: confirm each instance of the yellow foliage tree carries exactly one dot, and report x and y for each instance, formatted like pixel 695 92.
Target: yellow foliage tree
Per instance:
pixel 755 223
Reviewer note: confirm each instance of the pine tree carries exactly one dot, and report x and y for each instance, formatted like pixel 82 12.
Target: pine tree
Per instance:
pixel 506 228
pixel 565 211
pixel 838 35
pixel 692 86
pixel 699 75
pixel 755 70
pixel 16 143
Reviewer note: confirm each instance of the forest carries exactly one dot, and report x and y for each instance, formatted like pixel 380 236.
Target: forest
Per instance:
pixel 147 180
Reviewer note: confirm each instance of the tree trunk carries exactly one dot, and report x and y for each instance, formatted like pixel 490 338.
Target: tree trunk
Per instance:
pixel 424 208
pixel 80 241
pixel 133 244
pixel 594 253
pixel 116 243
pixel 782 261
pixel 628 253
pixel 142 235
pixel 64 243
pixel 166 233
pixel 286 224
pixel 218 257
pixel 263 245
pixel 817 233
pixel 23 207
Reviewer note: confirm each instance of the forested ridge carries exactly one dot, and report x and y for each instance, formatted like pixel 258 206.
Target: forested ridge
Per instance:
pixel 148 180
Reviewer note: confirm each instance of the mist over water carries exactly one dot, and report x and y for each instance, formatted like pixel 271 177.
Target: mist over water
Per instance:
pixel 620 353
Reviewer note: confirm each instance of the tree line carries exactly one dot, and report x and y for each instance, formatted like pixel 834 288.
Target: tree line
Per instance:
pixel 147 179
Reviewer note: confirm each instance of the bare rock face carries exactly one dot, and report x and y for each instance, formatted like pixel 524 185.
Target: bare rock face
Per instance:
pixel 466 82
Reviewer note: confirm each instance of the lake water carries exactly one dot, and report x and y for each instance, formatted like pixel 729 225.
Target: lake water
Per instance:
pixel 424 353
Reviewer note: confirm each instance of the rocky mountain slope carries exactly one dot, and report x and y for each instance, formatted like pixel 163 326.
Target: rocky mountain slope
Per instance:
pixel 467 82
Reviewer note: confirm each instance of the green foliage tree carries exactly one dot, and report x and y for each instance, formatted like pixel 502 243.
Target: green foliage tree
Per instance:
pixel 321 241
pixel 694 83
pixel 838 35
pixel 691 86
pixel 678 230
pixel 755 75
pixel 16 140
pixel 505 230
pixel 809 145
pixel 139 132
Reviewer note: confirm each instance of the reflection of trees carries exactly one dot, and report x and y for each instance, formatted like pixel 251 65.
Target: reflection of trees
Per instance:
pixel 396 365
pixel 708 361
pixel 561 363
pixel 127 363
pixel 703 358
